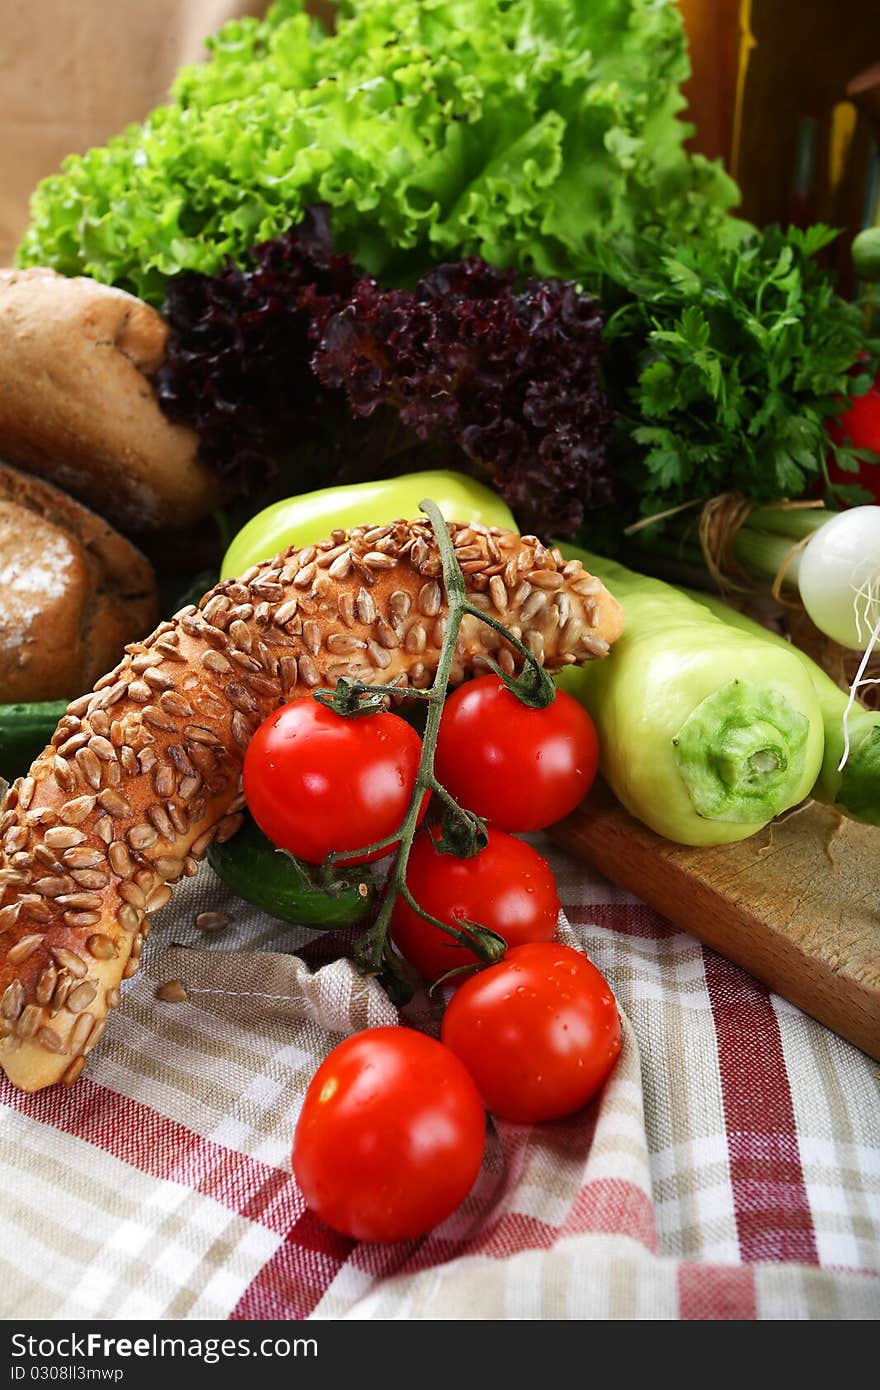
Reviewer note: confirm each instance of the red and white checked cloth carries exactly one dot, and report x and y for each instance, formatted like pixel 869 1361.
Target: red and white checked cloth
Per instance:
pixel 730 1169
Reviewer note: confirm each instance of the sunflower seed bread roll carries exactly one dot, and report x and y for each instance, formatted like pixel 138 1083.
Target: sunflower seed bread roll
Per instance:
pixel 145 771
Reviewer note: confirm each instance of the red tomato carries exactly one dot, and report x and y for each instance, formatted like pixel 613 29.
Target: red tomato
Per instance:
pixel 860 427
pixel 520 768
pixel 539 1032
pixel 391 1136
pixel 317 782
pixel 507 887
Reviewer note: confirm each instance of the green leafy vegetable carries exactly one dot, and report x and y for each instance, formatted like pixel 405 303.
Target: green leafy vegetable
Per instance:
pixel 528 132
pixel 740 354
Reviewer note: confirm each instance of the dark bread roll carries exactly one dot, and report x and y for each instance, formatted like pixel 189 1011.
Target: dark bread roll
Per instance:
pixel 72 592
pixel 77 403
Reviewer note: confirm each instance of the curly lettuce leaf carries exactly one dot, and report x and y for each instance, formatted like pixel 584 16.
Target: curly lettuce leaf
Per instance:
pixel 523 131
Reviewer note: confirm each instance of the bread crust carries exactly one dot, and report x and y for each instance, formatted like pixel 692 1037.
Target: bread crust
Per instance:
pixel 145 772
pixel 77 403
pixel 73 591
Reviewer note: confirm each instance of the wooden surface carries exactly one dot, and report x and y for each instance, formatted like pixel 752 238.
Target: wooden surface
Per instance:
pixel 798 905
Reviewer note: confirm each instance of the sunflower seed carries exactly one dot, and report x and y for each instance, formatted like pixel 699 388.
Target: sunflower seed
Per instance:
pixel 82 919
pixel 112 998
pixel 131 893
pixel 215 661
pixel 132 965
pixel 114 804
pixel 196 733
pixel 81 996
pixel 180 760
pixel 120 859
pixel 84 902
pixel 169 867
pixel 129 760
pixel 158 719
pixel 158 898
pixel 74 1071
pixel 63 774
pixel 173 703
pixel 212 921
pixel 96 1033
pixel 26 789
pixel 90 767
pixel 12 1002
pixel 177 818
pixel 416 638
pixel 46 984
pixel 16 839
pixel 241 729
pixel 70 961
pixel 189 786
pixel 101 947
pixel 340 567
pixel 287 674
pixel 228 827
pixel 102 748
pixel 54 886
pixel 308 671
pixel 63 837
pixel 9 917
pixel 158 817
pixel 172 992
pixel 48 1038
pixel 399 604
pixel 72 744
pixel 129 917
pixel 200 845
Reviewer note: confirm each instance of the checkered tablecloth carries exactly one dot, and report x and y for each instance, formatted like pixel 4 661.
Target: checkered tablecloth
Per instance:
pixel 730 1169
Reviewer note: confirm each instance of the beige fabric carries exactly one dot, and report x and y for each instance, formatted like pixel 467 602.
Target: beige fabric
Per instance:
pixel 73 74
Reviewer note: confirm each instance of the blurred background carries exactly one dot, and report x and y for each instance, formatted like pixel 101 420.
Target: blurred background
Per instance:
pixel 787 92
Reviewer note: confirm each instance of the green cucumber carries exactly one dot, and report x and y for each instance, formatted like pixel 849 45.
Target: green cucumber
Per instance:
pixel 24 732
pixel 253 868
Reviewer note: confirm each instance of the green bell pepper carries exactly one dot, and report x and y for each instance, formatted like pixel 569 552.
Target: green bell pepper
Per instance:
pixel 313 515
pixel 706 733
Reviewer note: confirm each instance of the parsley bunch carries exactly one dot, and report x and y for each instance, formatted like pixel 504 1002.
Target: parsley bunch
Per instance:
pixel 727 361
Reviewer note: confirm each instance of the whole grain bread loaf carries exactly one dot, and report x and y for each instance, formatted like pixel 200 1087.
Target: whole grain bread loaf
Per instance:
pixel 77 403
pixel 72 592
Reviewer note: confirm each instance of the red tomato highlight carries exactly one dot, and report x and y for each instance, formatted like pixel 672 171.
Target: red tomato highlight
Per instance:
pixel 539 1032
pixel 507 887
pixel 390 1137
pixel 316 782
pixel 521 769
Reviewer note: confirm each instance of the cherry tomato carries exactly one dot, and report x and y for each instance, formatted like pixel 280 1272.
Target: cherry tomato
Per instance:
pixel 507 887
pixel 316 781
pixel 390 1137
pixel 520 768
pixel 859 426
pixel 539 1032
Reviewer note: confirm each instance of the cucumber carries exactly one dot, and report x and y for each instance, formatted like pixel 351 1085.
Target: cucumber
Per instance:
pixel 24 732
pixel 253 868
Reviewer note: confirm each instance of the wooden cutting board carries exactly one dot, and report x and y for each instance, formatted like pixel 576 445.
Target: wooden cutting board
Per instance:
pixel 798 905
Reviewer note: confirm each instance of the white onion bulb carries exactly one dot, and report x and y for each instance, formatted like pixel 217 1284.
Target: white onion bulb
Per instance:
pixel 839 577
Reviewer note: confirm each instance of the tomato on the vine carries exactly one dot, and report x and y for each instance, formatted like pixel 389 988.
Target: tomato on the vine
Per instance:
pixel 539 1032
pixel 317 782
pixel 858 426
pixel 520 768
pixel 507 887
pixel 390 1137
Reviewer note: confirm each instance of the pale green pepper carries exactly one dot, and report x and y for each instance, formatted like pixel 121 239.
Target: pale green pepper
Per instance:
pixel 705 733
pixel 313 515
pixel 855 790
